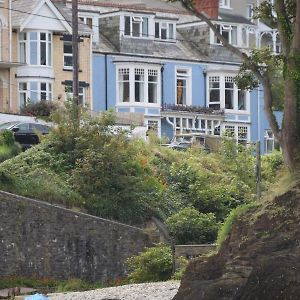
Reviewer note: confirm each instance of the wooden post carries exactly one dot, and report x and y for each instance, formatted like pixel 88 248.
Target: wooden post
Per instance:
pixel 75 40
pixel 258 170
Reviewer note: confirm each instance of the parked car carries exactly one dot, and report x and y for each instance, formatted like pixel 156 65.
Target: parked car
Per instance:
pixel 26 133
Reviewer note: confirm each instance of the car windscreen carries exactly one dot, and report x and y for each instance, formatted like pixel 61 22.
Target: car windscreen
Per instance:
pixel 7 125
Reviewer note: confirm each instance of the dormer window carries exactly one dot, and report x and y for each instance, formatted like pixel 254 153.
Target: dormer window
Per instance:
pixel 136 26
pixel 224 3
pixel 164 30
pixel 229 32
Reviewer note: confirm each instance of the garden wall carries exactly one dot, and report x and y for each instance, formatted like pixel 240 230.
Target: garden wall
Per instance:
pixel 43 240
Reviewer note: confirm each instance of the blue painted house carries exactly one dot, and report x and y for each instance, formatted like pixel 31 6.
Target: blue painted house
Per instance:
pixel 155 60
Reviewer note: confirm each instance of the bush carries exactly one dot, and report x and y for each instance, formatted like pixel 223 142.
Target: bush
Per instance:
pixel 153 264
pixel 42 108
pixel 271 164
pixel 189 226
pixel 74 285
pixel 8 146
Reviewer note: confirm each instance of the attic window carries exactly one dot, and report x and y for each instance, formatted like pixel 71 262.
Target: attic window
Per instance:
pixel 229 32
pixel 136 26
pixel 164 30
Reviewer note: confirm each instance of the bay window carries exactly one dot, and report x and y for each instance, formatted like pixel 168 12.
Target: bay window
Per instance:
pixel 34 91
pixel 214 92
pixel 229 92
pixel 124 85
pixel 136 26
pixel 224 93
pixel 138 84
pixel 35 48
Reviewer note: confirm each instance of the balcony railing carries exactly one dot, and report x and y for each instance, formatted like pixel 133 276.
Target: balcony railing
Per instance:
pixel 191 109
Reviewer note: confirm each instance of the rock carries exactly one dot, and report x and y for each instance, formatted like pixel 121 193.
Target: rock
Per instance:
pixel 260 260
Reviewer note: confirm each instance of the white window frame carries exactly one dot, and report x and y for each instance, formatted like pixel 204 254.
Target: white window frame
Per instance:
pixel 147 70
pixel 188 78
pixel 226 28
pixel 269 137
pixel 222 78
pixel 149 124
pixel 225 4
pixel 67 55
pixel 237 131
pixel 69 93
pixel 249 11
pixel 214 79
pixel 164 24
pixel 136 19
pixel 27 42
pixel 38 91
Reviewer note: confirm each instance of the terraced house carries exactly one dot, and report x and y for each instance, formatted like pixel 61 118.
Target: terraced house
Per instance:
pixel 36 56
pixel 152 60
pixel 156 60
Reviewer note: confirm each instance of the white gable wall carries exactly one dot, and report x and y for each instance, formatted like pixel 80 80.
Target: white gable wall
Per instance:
pixel 49 22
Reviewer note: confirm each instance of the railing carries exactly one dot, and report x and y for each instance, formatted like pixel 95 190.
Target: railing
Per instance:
pixel 191 109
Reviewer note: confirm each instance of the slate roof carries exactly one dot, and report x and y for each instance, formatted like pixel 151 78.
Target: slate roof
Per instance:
pixel 138 49
pixel 21 10
pixel 83 29
pixel 234 19
pixel 146 5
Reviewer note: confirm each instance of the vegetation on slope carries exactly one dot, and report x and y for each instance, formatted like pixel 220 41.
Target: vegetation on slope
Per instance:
pixel 96 168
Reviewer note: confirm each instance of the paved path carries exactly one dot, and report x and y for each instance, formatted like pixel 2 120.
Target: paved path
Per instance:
pixel 143 291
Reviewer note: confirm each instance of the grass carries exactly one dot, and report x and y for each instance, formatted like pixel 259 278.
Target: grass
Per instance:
pixel 227 225
pixel 284 182
pixel 47 285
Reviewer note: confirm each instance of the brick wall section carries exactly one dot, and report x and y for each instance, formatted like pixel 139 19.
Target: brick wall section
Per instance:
pixel 62 75
pixel 39 239
pixel 209 7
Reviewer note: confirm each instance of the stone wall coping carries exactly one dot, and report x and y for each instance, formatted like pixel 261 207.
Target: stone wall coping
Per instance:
pixel 46 204
pixel 196 246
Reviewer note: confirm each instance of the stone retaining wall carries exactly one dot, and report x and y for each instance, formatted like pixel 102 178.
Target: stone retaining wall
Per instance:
pixel 43 240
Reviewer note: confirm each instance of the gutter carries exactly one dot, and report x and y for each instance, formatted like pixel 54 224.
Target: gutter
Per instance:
pixel 106 82
pixel 170 59
pixel 162 86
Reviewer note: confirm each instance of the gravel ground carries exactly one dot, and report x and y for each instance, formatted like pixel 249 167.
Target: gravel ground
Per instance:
pixel 143 291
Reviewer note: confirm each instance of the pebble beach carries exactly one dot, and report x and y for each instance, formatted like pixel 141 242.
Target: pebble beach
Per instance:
pixel 143 291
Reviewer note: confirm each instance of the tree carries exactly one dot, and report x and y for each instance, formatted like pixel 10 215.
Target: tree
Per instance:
pixel 259 66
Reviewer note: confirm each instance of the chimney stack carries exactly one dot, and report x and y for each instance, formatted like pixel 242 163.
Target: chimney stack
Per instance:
pixel 208 7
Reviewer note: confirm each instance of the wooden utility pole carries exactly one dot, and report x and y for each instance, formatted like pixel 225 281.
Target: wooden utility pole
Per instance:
pixel 258 170
pixel 75 41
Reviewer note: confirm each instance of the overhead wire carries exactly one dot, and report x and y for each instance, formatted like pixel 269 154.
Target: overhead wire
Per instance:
pixel 99 27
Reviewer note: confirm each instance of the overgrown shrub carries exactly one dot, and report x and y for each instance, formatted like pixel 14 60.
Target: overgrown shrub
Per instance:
pixel 153 264
pixel 8 146
pixel 41 108
pixel 189 226
pixel 271 163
